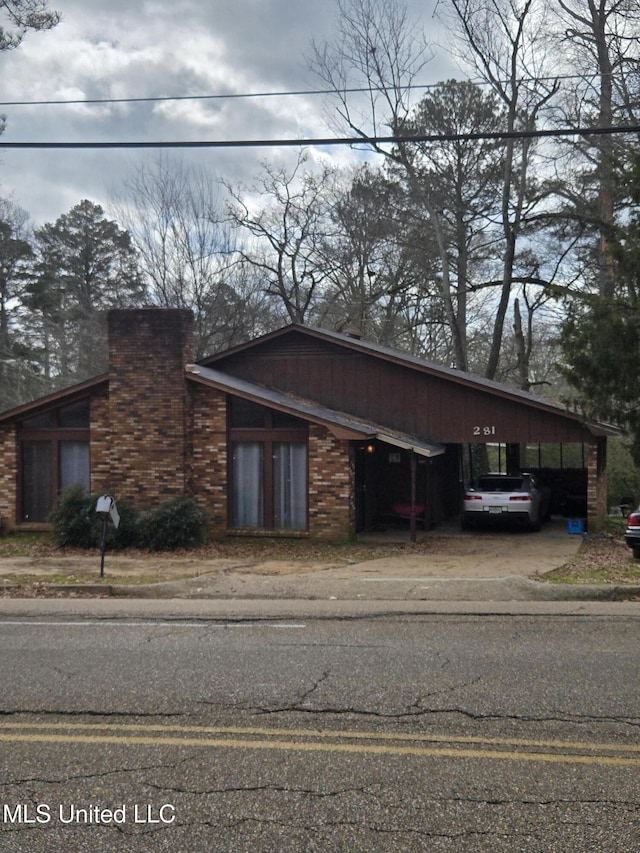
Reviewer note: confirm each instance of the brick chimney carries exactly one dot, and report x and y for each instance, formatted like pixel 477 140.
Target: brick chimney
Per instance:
pixel 148 403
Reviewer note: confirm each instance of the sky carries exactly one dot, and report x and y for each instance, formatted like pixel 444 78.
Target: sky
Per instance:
pixel 158 48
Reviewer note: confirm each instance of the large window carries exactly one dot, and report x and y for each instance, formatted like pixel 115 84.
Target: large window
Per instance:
pixel 248 484
pixel 54 455
pixel 268 468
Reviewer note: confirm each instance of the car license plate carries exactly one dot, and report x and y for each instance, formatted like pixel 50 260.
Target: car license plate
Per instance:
pixel 495 509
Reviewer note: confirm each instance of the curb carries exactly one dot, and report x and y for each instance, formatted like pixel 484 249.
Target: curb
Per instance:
pixel 529 591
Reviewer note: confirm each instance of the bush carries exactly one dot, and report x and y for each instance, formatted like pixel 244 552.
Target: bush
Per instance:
pixel 177 523
pixel 74 522
pixel 77 525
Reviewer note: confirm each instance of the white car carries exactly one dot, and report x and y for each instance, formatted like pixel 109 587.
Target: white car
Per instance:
pixel 505 498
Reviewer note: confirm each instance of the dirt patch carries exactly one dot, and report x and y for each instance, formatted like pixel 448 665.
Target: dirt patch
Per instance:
pixel 282 567
pixel 600 559
pixel 36 567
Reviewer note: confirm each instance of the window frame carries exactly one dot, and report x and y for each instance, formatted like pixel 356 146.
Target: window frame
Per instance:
pixel 55 435
pixel 268 435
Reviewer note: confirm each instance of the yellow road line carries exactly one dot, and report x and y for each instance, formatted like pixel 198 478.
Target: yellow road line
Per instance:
pixel 326 734
pixel 314 746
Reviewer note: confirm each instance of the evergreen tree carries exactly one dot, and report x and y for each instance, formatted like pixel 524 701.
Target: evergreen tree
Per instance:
pixel 601 336
pixel 86 265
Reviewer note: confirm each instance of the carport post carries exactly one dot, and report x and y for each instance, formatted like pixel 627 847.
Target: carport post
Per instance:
pixel 596 484
pixel 412 517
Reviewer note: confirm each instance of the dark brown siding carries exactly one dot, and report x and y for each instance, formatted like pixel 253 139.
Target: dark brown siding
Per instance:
pixel 398 395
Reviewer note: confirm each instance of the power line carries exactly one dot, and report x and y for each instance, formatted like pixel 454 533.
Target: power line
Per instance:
pixel 240 95
pixel 332 140
pixel 217 97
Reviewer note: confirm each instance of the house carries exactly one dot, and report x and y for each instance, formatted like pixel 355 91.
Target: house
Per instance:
pixel 301 432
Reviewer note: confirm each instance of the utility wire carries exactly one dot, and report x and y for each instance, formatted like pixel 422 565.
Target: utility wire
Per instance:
pixel 332 140
pixel 240 95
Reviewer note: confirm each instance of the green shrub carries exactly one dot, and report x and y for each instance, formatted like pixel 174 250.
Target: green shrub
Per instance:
pixel 74 523
pixel 77 525
pixel 176 523
pixel 126 536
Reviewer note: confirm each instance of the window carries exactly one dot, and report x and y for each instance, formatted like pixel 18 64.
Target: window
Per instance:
pixel 248 481
pixel 36 480
pixel 54 455
pixel 268 468
pixel 290 485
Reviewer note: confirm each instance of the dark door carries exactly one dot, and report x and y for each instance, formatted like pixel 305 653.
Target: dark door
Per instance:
pixel 365 486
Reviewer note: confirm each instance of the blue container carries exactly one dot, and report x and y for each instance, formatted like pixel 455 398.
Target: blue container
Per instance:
pixel 575 525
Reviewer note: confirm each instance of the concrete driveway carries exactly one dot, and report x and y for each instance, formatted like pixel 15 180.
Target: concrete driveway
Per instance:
pixel 487 553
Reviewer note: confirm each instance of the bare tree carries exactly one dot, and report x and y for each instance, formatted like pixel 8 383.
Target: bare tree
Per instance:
pixel 461 180
pixel 504 42
pixel 175 218
pixel 17 375
pixel 364 254
pixel 284 219
pixel 601 42
pixel 15 255
pixel 381 51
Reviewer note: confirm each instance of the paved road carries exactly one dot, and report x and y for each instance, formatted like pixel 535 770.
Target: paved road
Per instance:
pixel 407 733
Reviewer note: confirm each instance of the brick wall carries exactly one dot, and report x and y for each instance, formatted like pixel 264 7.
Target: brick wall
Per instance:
pixel 147 409
pixel 331 486
pixel 8 467
pixel 208 469
pixel 100 444
pixel 596 485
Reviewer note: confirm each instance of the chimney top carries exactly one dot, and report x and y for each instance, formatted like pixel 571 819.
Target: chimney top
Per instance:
pixel 353 333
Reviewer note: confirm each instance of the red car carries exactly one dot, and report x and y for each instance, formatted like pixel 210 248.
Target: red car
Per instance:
pixel 632 535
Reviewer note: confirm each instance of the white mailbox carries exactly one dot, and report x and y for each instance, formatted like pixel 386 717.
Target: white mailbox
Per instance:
pixel 107 504
pixel 104 503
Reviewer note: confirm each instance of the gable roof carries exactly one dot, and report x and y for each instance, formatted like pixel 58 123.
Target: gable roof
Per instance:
pixel 50 401
pixel 414 363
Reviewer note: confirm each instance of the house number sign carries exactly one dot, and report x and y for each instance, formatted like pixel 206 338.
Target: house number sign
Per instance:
pixel 484 430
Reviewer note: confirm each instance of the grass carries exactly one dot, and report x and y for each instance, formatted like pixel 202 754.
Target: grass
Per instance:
pixel 52 566
pixel 27 545
pixel 601 559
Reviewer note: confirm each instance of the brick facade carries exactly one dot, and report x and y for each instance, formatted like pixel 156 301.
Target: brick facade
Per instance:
pixel 331 486
pixel 331 472
pixel 596 485
pixel 8 485
pixel 100 443
pixel 148 406
pixel 157 433
pixel 208 474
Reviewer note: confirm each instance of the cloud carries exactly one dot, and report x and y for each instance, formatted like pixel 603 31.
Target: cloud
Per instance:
pixel 150 49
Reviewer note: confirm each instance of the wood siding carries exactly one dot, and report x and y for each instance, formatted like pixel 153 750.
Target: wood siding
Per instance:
pixel 407 398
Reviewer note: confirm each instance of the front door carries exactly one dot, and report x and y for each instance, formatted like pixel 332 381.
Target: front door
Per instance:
pixel 365 486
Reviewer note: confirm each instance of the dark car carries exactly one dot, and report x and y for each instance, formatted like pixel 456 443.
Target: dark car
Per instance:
pixel 632 534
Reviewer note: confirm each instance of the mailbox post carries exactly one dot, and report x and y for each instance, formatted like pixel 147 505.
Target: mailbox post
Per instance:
pixel 106 507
